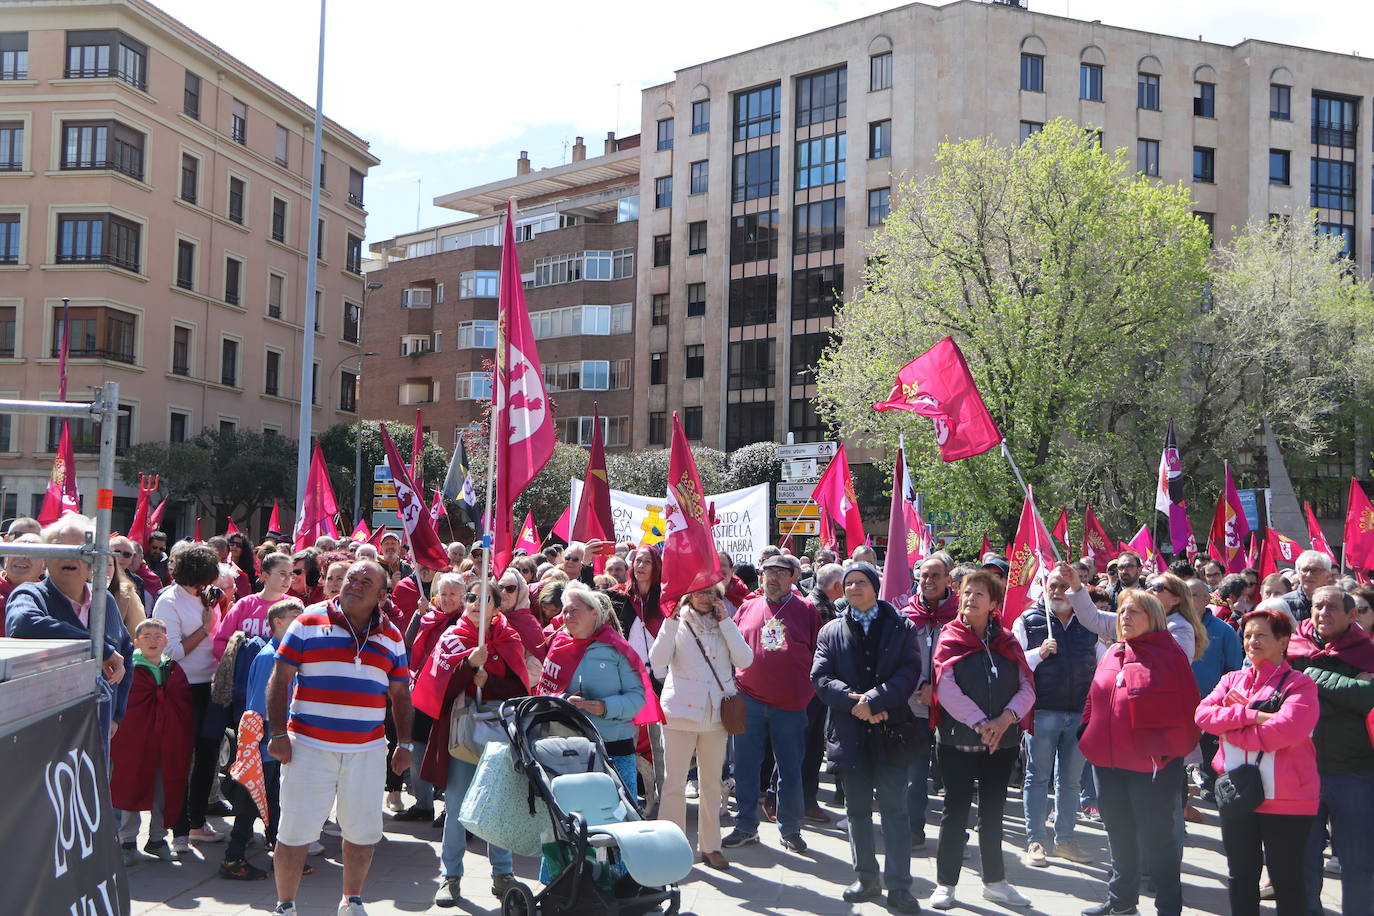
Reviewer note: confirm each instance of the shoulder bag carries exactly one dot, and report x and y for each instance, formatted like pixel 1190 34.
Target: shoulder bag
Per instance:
pixel 1240 790
pixel 732 711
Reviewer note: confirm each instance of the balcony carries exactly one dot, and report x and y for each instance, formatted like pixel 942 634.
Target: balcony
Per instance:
pixel 95 73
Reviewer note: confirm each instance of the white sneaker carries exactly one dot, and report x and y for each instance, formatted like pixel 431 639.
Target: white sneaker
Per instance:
pixel 207 834
pixel 315 848
pixel 1003 893
pixel 181 844
pixel 692 791
pixel 843 824
pixel 352 907
pixel 943 898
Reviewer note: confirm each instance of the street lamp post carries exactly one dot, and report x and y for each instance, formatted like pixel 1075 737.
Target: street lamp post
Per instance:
pixel 357 399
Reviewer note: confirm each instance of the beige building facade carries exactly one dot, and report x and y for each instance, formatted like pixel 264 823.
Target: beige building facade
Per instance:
pixel 764 173
pixel 163 187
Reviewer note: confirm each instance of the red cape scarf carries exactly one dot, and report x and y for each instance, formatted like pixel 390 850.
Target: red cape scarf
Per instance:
pixel 1352 647
pixel 565 654
pixel 958 641
pixel 432 626
pixel 506 654
pixel 945 611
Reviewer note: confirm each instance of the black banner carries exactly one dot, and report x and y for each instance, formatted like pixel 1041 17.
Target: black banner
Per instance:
pixel 57 829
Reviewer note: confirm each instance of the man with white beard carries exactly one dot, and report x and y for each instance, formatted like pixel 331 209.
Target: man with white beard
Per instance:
pixel 1062 654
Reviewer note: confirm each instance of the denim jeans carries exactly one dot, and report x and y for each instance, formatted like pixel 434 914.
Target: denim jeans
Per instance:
pixel 460 774
pixel 918 781
pixel 1140 811
pixel 1348 801
pixel 1087 787
pixel 889 784
pixel 787 729
pixel 1052 750
pixel 246 810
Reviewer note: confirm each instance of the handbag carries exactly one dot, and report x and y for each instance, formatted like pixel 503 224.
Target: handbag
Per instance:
pixel 733 714
pixel 471 725
pixel 1240 790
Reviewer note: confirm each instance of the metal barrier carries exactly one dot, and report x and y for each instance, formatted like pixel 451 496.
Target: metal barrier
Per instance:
pixel 104 409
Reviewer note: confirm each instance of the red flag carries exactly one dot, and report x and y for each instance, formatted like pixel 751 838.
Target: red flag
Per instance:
pixel 198 537
pixel 1144 544
pixel 1061 528
pixel 316 516
pixel 563 527
pixel 593 519
pixel 425 546
pixel 897 569
pixel 375 539
pixel 360 532
pixel 690 560
pixel 938 384
pixel 274 523
pixel 417 448
pixel 1252 555
pixel 1277 549
pixel 155 517
pixel 138 528
pixel 231 528
pixel 1031 558
pixel 1315 533
pixel 529 536
pixel 61 496
pixel 436 509
pixel 1096 544
pixel 985 549
pixel 522 421
pixel 1226 541
pixel 1358 546
pixel 834 494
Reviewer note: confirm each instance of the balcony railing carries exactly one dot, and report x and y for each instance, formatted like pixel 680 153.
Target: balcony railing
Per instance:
pixel 92 73
pixel 81 257
pixel 118 356
pixel 355 199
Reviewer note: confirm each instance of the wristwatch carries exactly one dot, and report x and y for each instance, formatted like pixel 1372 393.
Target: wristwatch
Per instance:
pixel 407 745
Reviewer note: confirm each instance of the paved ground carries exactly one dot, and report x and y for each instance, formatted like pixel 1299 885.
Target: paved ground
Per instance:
pixel 764 879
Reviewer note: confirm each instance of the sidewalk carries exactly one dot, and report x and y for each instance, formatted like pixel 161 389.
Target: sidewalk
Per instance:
pixel 763 879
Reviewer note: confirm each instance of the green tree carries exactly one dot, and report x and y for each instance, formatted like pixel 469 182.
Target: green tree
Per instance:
pixel 754 464
pixel 229 471
pixel 340 451
pixel 1064 276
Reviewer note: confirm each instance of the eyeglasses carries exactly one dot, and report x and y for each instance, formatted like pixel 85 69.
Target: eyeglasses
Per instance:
pixel 126 554
pixel 1156 588
pixel 509 589
pixel 572 559
pixel 297 572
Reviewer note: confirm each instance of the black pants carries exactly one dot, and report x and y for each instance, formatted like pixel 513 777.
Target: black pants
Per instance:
pixel 815 751
pixel 203 766
pixel 963 771
pixel 246 810
pixel 1277 840
pixel 1208 745
pixel 1139 811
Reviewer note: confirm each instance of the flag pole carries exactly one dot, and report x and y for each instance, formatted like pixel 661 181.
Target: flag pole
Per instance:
pixel 1006 453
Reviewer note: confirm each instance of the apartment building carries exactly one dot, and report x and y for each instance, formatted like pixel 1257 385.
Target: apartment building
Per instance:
pixel 163 187
pixel 756 205
pixel 431 330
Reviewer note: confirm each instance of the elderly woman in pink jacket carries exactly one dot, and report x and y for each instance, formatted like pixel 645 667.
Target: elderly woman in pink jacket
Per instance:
pixel 1264 715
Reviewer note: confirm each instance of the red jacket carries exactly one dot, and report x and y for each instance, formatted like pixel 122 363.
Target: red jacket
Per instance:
pixel 1139 714
pixel 406 596
pixel 153 742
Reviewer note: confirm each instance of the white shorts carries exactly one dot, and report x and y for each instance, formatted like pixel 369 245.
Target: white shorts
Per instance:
pixel 315 780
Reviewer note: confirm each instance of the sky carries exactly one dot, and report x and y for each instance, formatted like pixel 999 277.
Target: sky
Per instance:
pixel 448 92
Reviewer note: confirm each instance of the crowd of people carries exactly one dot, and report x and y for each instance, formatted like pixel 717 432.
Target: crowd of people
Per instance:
pixel 1126 695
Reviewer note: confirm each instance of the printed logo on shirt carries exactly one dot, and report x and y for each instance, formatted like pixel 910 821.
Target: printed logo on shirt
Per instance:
pixel 773 636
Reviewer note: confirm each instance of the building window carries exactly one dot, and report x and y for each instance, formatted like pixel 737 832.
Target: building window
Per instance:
pixel 753 300
pixel 102 145
pixel 1204 164
pixel 106 53
pixel 352 322
pixel 1279 171
pixel 97 333
pixel 803 421
pixel 816 291
pixel 758 112
pixel 236 192
pixel 818 226
pixel 324 162
pixel 696 238
pixel 1032 73
pixel 665 134
pixel 880 72
pixel 695 361
pixel 878 205
pixel 755 175
pixel 10 230
pixel 14 61
pixel 1147 156
pixel 820 161
pixel 190 96
pixel 754 237
pixel 353 255
pixel 477 335
pixel 1204 100
pixel 750 364
pixel 186 264
pixel 276 295
pixel 348 391
pixel 85 435
pixel 1028 128
pixel 658 428
pixel 11 146
pixel 181 350
pixel 1334 120
pixel 746 424
pixel 821 96
pixel 700 177
pixel 229 362
pixel 1333 184
pixel 1090 82
pixel 590 320
pixel 417 297
pixel 9 326
pixel 701 116
pixel 1345 233
pixel 282 146
pixel 696 300
pixel 355 187
pixel 278 220
pixel 658 309
pixel 879 139
pixel 663 250
pixel 1280 102
pixel 178 422
pixel 233 276
pixel 691 423
pixel 98 239
pixel 658 368
pixel 238 122
pixel 1147 91
pixel 1207 219
pixel 472 386
pixel 190 177
pixel 806 355
pixel 479 284
pixel 319 238
pixel 663 192
pixel 271 383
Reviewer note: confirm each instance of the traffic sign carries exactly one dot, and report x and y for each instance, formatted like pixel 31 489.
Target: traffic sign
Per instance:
pixel 384 488
pixel 799 526
pixel 802 469
pixel 807 450
pixel 380 503
pixel 381 472
pixel 798 510
pixel 794 492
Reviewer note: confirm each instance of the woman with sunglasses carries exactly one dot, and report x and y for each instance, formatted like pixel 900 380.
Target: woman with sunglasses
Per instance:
pixel 127 591
pixel 457 666
pixel 515 607
pixel 1184 622
pixel 242 558
pixel 1364 608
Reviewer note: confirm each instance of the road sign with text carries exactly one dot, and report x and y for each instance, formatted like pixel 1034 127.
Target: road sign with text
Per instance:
pixel 822 450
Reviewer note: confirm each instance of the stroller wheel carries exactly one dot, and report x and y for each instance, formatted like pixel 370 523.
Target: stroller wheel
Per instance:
pixel 518 901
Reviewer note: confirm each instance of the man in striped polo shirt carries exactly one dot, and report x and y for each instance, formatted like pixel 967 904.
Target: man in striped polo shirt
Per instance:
pixel 347 659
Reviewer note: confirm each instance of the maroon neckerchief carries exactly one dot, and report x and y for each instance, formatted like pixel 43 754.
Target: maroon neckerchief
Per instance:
pixel 1352 647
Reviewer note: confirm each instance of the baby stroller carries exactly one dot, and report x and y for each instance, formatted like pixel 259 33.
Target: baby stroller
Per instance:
pixel 566 764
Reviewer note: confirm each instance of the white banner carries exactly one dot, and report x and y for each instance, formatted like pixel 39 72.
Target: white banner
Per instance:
pixel 742 519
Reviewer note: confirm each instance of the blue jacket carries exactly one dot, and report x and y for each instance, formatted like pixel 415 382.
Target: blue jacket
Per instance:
pixel 37 610
pixel 1063 679
pixel 604 674
pixel 839 669
pixel 1224 654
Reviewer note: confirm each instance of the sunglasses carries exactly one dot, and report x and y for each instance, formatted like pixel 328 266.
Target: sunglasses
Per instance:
pixel 126 554
pixel 572 559
pixel 510 589
pixel 1156 588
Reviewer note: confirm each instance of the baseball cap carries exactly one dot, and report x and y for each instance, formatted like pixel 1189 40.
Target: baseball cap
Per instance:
pixel 998 565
